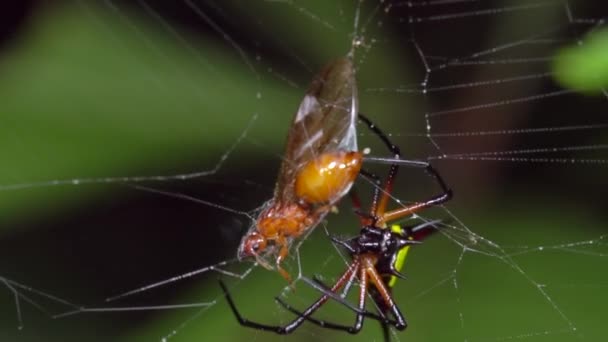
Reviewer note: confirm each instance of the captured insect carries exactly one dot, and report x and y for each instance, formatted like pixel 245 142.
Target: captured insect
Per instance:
pixel 378 253
pixel 319 166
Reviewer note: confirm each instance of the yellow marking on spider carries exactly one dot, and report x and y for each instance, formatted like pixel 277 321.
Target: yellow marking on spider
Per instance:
pixel 401 255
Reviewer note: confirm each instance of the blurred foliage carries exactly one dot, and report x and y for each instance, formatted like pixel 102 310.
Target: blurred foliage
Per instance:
pixel 584 67
pixel 83 97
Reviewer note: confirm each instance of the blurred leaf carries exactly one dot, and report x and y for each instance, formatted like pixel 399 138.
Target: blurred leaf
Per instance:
pixel 85 94
pixel 584 67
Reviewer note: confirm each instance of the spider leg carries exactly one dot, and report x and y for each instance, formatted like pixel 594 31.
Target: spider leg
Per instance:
pixel 384 292
pixel 360 310
pixel 428 225
pixel 245 322
pixel 377 185
pixel 421 231
pixel 411 209
pixel 385 332
pixel 379 205
pixel 293 325
pixel 379 208
pixel 347 277
pixel 350 329
pixel 319 286
pixel 380 134
pixel 365 217
pixel 344 244
pixel 445 196
pixel 356 327
pixel 393 271
pixel 414 164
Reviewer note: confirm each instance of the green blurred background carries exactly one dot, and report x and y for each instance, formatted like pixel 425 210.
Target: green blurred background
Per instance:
pixel 91 90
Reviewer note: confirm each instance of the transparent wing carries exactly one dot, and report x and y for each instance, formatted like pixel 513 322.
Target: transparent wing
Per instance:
pixel 325 122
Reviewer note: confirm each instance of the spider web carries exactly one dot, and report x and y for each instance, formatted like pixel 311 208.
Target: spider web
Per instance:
pixel 140 139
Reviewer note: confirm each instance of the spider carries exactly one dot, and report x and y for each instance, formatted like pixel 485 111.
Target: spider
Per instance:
pixel 377 253
pixel 390 248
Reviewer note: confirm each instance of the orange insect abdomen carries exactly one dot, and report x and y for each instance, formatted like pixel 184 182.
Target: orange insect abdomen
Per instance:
pixel 328 176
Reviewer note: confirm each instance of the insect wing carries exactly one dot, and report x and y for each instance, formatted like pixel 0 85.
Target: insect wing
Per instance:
pixel 325 122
